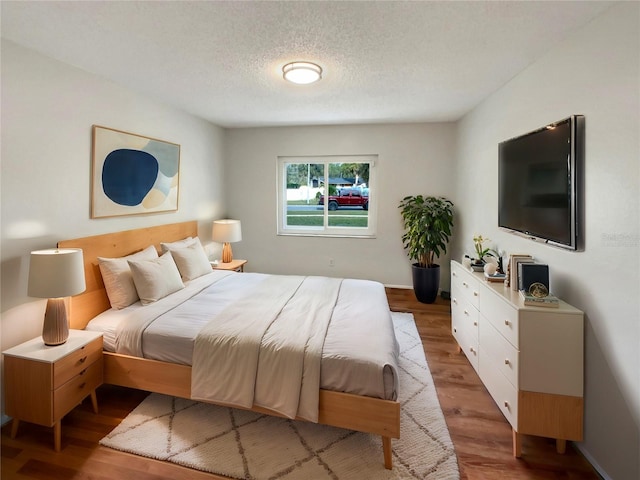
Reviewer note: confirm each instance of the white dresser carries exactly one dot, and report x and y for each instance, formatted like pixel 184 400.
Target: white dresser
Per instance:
pixel 530 359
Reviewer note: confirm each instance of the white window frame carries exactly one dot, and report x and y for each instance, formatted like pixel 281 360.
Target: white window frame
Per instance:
pixel 326 230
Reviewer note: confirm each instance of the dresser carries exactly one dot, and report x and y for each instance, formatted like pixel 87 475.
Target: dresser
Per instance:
pixel 530 359
pixel 44 383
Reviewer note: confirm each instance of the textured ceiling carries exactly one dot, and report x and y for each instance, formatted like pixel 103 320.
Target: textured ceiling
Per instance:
pixel 383 61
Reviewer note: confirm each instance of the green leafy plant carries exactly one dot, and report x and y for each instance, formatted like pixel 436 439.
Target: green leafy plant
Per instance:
pixel 427 223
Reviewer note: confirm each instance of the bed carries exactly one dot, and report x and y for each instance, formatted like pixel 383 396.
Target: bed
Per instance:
pixel 337 406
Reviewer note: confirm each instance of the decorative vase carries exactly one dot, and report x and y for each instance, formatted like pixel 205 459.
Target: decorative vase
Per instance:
pixel 478 266
pixel 426 282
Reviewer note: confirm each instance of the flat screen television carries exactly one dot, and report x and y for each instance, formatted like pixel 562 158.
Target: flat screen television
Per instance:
pixel 539 183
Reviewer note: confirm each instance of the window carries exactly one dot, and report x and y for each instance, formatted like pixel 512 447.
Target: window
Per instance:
pixel 327 196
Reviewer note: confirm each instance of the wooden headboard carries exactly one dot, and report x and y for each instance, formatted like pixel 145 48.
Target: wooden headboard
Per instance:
pixel 94 300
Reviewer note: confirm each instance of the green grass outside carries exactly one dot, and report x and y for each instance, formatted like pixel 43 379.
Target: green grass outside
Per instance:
pixel 337 221
pixel 336 213
pixel 337 218
pixel 312 201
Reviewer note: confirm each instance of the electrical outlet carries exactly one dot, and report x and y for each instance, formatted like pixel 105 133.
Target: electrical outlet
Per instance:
pixel 332 262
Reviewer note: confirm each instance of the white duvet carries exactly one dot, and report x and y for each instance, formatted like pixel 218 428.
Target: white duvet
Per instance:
pixel 355 346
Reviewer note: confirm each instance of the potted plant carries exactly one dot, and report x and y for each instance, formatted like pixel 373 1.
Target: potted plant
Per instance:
pixel 478 262
pixel 427 223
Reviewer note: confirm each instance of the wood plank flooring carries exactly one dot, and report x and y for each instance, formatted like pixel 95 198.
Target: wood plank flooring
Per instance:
pixel 481 435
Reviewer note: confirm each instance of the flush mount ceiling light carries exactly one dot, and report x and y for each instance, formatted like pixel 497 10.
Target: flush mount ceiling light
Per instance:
pixel 302 73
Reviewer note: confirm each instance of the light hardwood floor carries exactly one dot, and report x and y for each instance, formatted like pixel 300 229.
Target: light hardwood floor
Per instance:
pixel 481 435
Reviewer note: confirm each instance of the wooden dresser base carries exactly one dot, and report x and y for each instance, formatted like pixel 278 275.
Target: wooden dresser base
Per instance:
pixel 547 415
pixel 561 444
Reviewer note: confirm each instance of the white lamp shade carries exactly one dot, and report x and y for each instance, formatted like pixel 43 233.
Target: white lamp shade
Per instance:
pixel 226 231
pixel 56 273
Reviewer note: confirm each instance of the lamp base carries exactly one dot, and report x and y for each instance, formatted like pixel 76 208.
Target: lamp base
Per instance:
pixel 55 329
pixel 227 254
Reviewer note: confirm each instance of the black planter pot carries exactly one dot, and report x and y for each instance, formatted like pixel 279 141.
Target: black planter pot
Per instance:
pixel 426 281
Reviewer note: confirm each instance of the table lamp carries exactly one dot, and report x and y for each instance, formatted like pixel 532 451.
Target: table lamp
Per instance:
pixel 55 274
pixel 226 232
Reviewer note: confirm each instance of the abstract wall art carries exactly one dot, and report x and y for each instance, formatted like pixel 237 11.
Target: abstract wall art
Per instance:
pixel 132 174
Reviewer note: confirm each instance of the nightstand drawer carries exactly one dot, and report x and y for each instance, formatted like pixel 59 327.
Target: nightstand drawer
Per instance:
pixel 71 365
pixel 75 390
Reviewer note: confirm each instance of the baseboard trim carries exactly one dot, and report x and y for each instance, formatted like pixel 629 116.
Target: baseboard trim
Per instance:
pixel 599 470
pixel 404 287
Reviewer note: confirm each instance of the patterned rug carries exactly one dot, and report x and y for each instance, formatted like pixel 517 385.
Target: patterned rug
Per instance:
pixel 247 445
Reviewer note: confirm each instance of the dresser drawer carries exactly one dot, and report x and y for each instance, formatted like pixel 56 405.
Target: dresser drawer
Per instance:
pixel 502 316
pixel 502 354
pixel 468 344
pixel 69 366
pixel 466 316
pixel 76 389
pixel 463 284
pixel 470 349
pixel 504 394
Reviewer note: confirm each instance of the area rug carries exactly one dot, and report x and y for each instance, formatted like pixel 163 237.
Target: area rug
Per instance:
pixel 247 445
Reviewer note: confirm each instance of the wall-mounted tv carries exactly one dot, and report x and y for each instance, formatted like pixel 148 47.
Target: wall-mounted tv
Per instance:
pixel 540 176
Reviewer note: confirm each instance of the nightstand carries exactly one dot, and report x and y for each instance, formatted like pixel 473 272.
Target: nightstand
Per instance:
pixel 235 265
pixel 43 384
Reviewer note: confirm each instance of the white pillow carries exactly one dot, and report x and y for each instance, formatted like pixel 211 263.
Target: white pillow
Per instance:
pixel 155 279
pixel 117 279
pixel 192 261
pixel 185 242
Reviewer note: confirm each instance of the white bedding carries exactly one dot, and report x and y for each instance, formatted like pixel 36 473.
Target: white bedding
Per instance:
pixel 266 350
pixel 359 354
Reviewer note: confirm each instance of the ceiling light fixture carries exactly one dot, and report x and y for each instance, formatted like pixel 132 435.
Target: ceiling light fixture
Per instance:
pixel 302 73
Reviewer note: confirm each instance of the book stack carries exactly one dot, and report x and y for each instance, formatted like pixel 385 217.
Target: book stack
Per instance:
pixel 512 269
pixel 548 301
pixel 496 277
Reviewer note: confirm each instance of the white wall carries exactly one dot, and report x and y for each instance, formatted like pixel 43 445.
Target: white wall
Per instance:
pixel 594 73
pixel 413 159
pixel 48 109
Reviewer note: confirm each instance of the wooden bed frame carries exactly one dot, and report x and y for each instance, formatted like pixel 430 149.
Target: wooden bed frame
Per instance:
pixel 353 412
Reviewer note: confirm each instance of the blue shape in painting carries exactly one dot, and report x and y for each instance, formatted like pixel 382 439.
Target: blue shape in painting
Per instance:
pixel 128 175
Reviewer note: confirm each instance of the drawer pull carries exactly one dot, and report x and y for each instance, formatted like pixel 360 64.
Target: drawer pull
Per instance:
pixel 506 404
pixel 466 313
pixel 82 385
pixel 475 294
pixel 465 284
pixel 454 274
pixel 82 360
pixel 82 372
pixel 455 300
pixel 472 350
pixel 475 324
pixel 507 323
pixel 507 362
pixel 455 330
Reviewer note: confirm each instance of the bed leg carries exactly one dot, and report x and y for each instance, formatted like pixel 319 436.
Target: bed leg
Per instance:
pixel 386 448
